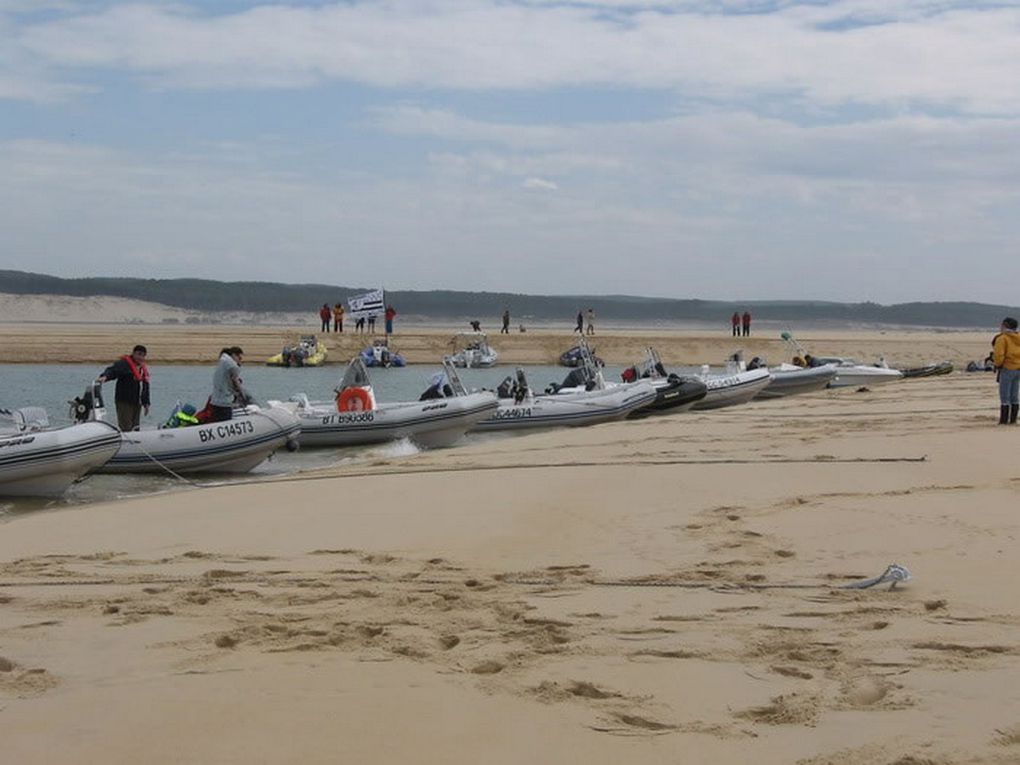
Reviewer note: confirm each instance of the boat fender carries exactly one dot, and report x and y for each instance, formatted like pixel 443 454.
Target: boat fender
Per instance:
pixel 353 400
pixel 292 445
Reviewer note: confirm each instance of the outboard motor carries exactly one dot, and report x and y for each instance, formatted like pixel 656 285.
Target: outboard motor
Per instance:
pixel 89 405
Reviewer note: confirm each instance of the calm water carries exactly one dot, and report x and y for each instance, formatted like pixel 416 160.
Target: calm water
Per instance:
pixel 52 386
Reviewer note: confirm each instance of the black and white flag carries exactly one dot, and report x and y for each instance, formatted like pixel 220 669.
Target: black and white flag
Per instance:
pixel 367 304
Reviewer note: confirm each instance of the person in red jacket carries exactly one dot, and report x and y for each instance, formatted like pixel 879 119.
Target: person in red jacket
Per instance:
pixel 390 313
pixel 745 322
pixel 325 314
pixel 735 323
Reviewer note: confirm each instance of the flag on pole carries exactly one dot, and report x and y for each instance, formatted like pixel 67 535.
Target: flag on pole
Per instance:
pixel 367 304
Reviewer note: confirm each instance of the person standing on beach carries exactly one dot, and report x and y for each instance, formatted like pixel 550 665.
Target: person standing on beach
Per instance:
pixel 506 322
pixel 227 386
pixel 131 396
pixel 579 328
pixel 591 322
pixel 325 314
pixel 735 323
pixel 390 314
pixel 1006 354
pixel 371 323
pixel 338 318
pixel 745 322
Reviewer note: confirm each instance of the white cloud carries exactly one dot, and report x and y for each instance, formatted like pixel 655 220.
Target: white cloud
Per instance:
pixel 539 183
pixel 954 55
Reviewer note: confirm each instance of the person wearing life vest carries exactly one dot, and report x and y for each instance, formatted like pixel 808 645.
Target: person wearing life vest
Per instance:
pixel 132 393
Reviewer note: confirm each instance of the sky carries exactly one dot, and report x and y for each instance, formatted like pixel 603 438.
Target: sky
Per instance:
pixel 845 150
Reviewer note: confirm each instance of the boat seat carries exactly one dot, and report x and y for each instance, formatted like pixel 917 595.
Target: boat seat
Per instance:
pixel 30 418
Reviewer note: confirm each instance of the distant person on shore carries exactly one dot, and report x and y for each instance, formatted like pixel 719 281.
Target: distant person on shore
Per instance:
pixel 1006 354
pixel 579 327
pixel 476 326
pixel 371 323
pixel 390 315
pixel 745 322
pixel 338 318
pixel 506 322
pixel 735 323
pixel 325 314
pixel 359 324
pixel 591 322
pixel 131 396
pixel 228 389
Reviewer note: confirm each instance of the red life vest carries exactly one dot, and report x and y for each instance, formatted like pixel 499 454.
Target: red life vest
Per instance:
pixel 140 371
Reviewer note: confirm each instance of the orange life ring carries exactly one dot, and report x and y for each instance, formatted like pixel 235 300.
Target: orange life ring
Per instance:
pixel 353 400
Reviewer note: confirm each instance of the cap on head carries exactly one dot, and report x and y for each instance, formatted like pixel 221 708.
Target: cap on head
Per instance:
pixel 1009 322
pixel 140 349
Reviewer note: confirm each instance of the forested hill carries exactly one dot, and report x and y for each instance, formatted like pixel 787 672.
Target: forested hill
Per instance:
pixel 206 295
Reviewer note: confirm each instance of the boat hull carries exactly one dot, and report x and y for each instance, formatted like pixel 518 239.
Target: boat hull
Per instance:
pixel 673 396
pixel 793 382
pixel 570 409
pixel 733 389
pixel 862 376
pixel 434 423
pixel 45 463
pixel 231 446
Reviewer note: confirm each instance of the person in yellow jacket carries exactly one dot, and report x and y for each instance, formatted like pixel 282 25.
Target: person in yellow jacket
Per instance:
pixel 1006 355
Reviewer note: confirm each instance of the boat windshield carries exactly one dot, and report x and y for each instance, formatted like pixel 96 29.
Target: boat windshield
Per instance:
pixel 355 376
pixel 453 378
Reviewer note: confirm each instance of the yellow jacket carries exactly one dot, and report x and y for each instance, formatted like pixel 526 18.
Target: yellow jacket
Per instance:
pixel 1006 350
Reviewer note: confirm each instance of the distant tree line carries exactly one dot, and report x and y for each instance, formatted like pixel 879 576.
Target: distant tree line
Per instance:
pixel 208 295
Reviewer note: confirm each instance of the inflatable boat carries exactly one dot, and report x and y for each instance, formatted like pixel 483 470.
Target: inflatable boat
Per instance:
pixel 39 460
pixel 355 418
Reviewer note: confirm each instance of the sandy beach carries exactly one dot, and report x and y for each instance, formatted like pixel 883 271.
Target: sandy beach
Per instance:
pixel 660 591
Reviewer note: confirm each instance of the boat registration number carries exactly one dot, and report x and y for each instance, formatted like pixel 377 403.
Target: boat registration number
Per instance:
pixel 348 417
pixel 226 430
pixel 515 413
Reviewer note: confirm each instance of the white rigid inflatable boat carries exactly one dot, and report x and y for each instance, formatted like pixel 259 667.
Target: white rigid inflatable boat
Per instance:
pixel 522 409
pixel 229 446
pixel 737 386
pixel 356 418
pixel 791 380
pixel 851 374
pixel 39 460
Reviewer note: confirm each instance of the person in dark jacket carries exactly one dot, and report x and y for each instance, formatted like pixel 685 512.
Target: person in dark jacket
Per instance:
pixel 132 393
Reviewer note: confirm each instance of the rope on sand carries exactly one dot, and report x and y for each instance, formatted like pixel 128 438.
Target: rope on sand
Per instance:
pixel 893 575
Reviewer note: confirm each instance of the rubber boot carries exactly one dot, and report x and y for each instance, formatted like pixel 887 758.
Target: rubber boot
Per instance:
pixel 1003 414
pixel 1013 408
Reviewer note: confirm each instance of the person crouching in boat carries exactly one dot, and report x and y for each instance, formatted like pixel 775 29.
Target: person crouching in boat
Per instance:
pixel 132 394
pixel 228 389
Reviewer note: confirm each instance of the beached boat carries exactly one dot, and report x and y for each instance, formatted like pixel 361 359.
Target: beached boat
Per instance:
pixel 791 380
pixel 39 460
pixel 230 446
pixel 307 352
pixel 929 370
pixel 472 349
pixel 378 354
pixel 849 373
pixel 356 418
pixel 522 409
pixel 574 357
pixel 737 386
pixel 674 393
